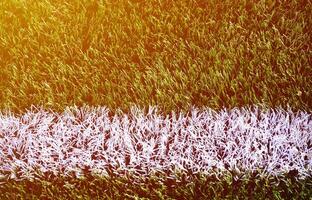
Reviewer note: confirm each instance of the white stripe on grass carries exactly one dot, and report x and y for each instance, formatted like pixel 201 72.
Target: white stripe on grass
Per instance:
pixel 274 140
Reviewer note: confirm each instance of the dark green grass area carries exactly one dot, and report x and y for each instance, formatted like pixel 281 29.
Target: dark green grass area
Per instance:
pixel 173 54
pixel 161 186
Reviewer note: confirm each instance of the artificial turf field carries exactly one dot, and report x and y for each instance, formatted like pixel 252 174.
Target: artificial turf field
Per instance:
pixel 172 54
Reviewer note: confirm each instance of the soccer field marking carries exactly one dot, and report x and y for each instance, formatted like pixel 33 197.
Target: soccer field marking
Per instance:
pixel 240 139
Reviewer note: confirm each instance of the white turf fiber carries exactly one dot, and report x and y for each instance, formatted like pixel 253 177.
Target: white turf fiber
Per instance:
pixel 274 140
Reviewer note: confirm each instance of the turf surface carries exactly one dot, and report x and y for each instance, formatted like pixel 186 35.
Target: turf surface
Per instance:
pixel 173 54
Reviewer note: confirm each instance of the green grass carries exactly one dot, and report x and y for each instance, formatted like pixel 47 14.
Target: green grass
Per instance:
pixel 159 186
pixel 173 54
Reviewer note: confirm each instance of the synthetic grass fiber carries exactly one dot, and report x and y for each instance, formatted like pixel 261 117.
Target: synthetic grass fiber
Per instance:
pixel 183 186
pixel 204 63
pixel 173 54
pixel 246 139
